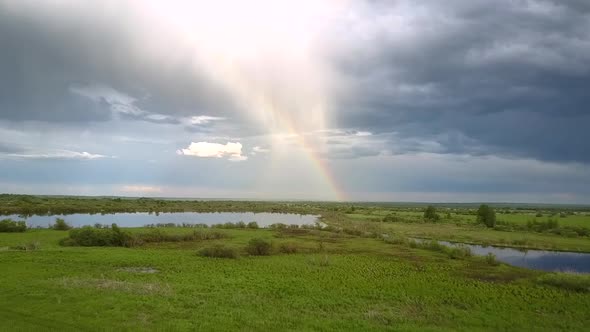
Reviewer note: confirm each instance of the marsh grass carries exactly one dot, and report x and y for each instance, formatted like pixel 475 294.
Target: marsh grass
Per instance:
pixel 219 251
pixel 570 281
pixel 30 246
pixel 490 259
pixel 288 248
pixel 157 235
pixel 11 226
pixel 459 252
pixel 357 284
pixel 115 237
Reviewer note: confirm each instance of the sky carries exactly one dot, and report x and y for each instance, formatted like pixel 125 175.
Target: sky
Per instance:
pixel 363 100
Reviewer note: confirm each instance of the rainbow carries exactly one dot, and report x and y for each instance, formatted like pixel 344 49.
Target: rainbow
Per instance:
pixel 258 100
pixel 319 163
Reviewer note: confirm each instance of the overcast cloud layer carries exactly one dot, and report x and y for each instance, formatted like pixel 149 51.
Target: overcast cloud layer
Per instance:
pixel 364 100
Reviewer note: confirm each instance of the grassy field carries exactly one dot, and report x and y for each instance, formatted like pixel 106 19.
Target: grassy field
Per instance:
pixel 333 282
pixel 520 217
pixel 358 274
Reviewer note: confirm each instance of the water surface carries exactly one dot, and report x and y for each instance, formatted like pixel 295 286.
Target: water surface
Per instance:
pixel 532 259
pixel 143 218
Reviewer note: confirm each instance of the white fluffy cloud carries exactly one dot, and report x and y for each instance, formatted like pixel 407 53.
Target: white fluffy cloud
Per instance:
pixel 231 150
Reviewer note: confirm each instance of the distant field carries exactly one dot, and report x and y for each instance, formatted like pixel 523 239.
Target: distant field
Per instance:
pixel 517 217
pixel 523 218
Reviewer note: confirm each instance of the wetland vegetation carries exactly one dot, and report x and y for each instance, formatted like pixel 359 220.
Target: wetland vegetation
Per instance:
pixel 359 270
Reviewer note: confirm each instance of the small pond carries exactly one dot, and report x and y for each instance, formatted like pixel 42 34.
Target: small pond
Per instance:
pixel 532 259
pixel 143 218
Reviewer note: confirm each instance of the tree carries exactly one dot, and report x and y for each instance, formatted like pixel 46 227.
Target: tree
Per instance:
pixel 486 215
pixel 430 214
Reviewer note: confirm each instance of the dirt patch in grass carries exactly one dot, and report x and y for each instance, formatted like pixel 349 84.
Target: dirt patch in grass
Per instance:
pixel 117 285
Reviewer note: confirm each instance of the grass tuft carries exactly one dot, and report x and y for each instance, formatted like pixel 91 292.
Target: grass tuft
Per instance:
pixel 219 251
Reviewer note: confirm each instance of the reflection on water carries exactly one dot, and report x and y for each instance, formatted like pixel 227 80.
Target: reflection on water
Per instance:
pixel 143 218
pixel 532 259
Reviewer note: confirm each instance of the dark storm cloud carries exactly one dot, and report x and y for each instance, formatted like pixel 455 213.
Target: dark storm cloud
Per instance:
pixel 45 51
pixel 5 148
pixel 476 77
pixel 507 77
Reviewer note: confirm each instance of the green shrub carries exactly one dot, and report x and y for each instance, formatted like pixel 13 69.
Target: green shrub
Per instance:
pixel 430 214
pixel 288 248
pixel 258 247
pixel 354 232
pixel 27 246
pixel 157 235
pixel 253 225
pixel 459 252
pixel 61 225
pixel 574 282
pixel 391 217
pixel 432 245
pixel 520 242
pixel 10 226
pixel 89 236
pixel 486 215
pixel 219 251
pixel 396 240
pixel 491 259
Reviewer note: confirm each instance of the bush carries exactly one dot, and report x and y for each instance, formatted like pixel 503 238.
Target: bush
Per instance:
pixel 541 226
pixel 253 225
pixel 219 251
pixel 278 226
pixel 351 231
pixel 432 245
pixel 391 217
pixel 491 259
pixel 396 240
pixel 61 225
pixel 486 215
pixel 157 235
pixel 430 214
pixel 459 252
pixel 89 236
pixel 10 226
pixel 288 248
pixel 259 247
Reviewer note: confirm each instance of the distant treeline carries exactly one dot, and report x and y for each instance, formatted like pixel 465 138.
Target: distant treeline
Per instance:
pixel 27 205
pixel 45 205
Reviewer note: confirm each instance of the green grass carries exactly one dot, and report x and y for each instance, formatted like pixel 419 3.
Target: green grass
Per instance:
pixel 523 218
pixel 482 235
pixel 347 283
